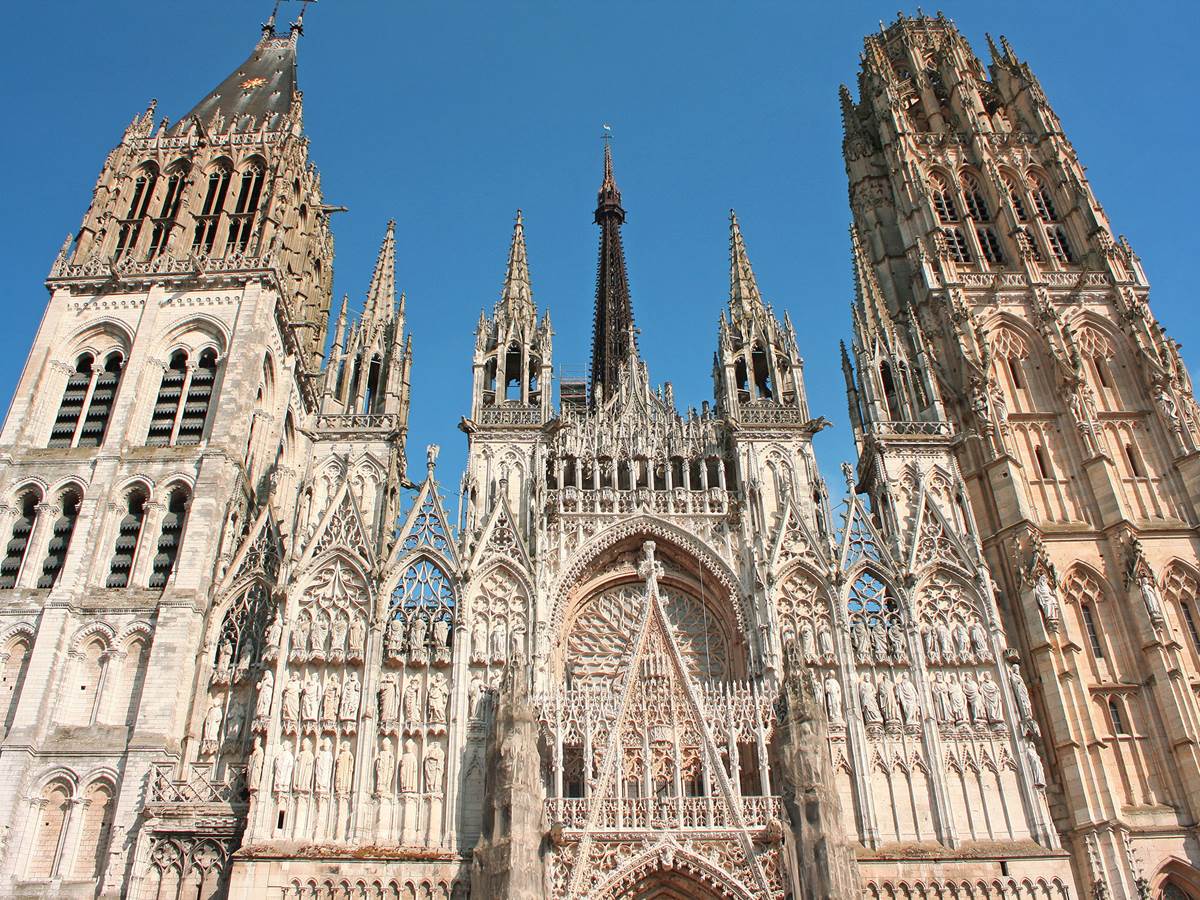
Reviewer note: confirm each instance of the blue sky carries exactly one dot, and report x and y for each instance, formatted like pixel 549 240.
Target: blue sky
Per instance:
pixel 448 116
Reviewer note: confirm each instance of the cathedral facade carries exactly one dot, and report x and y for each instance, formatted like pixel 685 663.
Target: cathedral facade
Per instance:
pixel 244 654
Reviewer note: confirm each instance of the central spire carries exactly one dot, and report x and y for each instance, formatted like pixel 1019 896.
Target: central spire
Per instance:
pixel 613 340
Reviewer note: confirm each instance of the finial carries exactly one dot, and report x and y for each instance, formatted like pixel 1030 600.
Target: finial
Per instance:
pixel 298 25
pixel 268 28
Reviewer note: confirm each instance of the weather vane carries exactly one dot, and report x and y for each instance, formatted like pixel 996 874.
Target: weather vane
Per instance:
pixel 608 134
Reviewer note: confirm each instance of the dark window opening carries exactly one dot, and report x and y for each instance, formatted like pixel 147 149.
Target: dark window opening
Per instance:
pixel 168 541
pixel 891 399
pixel 60 540
pixel 743 385
pixel 373 373
pixel 1059 245
pixel 166 404
pixel 1135 464
pixel 762 372
pixel 990 245
pixel 120 570
pixel 199 397
pixel 956 242
pixel 1014 372
pixel 1089 625
pixel 104 392
pixel 205 236
pixel 1190 621
pixel 71 408
pixel 14 552
pixel 512 374
pixel 1043 463
pixel 1114 713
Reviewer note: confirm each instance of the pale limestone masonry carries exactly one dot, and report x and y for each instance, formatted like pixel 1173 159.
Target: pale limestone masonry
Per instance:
pixel 242 655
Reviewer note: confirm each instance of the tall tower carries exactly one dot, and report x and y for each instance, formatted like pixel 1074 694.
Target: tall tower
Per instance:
pixel 1003 335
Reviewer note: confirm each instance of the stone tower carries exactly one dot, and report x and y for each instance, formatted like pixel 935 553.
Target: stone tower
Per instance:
pixel 1002 337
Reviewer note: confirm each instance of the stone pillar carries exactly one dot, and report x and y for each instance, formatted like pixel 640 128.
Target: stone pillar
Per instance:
pixel 507 860
pixel 822 863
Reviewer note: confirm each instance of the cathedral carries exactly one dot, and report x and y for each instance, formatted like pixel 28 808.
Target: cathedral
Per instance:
pixel 246 652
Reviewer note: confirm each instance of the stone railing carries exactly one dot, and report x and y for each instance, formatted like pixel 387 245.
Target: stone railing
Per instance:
pixel 358 422
pixel 199 785
pixel 511 414
pixel 770 415
pixel 103 267
pixel 932 429
pixel 660 813
pixel 678 501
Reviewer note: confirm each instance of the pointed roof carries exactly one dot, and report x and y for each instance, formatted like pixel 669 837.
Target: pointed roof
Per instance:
pixel 516 297
pixel 743 287
pixel 613 340
pixel 872 307
pixel 258 93
pixel 381 295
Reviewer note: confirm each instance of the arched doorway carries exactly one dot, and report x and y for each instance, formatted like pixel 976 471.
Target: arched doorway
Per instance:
pixel 664 884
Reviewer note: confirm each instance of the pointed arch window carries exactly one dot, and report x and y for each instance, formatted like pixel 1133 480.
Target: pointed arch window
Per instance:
pixel 977 205
pixel 129 533
pixel 184 397
pixel 1115 716
pixel 762 372
pixel 241 220
pixel 87 402
pixel 130 228
pixel 168 212
pixel 1056 237
pixel 1042 458
pixel 956 245
pixel 1093 633
pixel 98 810
pixel 12 676
pixel 209 218
pixel 169 538
pixel 60 539
pixel 1016 198
pixel 1043 200
pixel 18 543
pixel 512 374
pixel 83 694
pixel 51 819
pixel 424 593
pixel 943 200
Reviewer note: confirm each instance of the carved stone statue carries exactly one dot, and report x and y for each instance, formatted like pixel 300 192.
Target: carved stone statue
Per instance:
pixel 825 643
pixel 1036 770
pixel 212 726
pixel 479 639
pixel 910 704
pixel 1047 600
pixel 224 666
pixel 858 641
pixel 302 779
pixel 254 766
pixel 887 701
pixel 941 697
pixel 879 642
pixel 958 702
pixel 348 706
pixel 273 635
pixel 310 700
pixel 930 638
pixel 435 760
pixel 324 769
pixel 869 701
pixel 358 638
pixel 436 702
pixel 979 642
pixel 499 644
pixel 385 770
pixel 318 638
pixel 808 643
pixel 343 781
pixel 962 642
pixel 329 705
pixel 389 699
pixel 412 701
pixel 945 644
pixel 408 768
pixel 395 638
pixel 1021 693
pixel 417 632
pixel 833 700
pixel 300 639
pixel 281 778
pixel 337 638
pixel 1150 597
pixel 291 701
pixel 266 690
pixel 896 649
pixel 989 696
pixel 970 689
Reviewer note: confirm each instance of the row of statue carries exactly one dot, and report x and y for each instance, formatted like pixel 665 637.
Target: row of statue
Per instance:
pixel 967 701
pixel 392 702
pixel 419 642
pixel 225 669
pixel 877 642
pixel 815 646
pixel 317 637
pixel 497 645
pixel 956 644
pixel 884 702
pixel 310 706
pixel 321 773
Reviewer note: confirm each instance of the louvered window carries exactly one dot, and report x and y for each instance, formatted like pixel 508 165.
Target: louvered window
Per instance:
pixel 128 533
pixel 168 541
pixel 165 221
pixel 199 396
pixel 1043 201
pixel 209 218
pixel 14 553
pixel 956 242
pixel 60 540
pixel 70 411
pixel 1059 245
pixel 989 244
pixel 166 404
pixel 130 228
pixel 87 403
pixel 241 220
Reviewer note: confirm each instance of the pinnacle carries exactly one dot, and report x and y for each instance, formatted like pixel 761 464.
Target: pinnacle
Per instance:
pixel 743 287
pixel 517 294
pixel 381 295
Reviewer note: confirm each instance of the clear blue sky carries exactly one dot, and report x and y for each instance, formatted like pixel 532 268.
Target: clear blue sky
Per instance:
pixel 448 116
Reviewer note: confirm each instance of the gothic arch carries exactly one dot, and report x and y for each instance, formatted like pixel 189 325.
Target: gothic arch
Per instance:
pixel 21 629
pixel 706 560
pixel 517 573
pixel 70 483
pixel 139 627
pixel 195 334
pixel 1180 874
pixel 666 860
pixel 92 629
pixel 34 484
pixel 99 337
pixel 390 579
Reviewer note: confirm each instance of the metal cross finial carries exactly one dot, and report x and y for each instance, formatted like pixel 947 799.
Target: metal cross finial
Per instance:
pixel 608 133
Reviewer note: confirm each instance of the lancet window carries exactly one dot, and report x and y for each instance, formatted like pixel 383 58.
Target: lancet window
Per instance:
pixel 170 536
pixel 14 664
pixel 87 402
pixel 18 542
pixel 421 614
pixel 874 621
pixel 60 538
pixel 241 220
pixel 130 227
pixel 129 534
pixel 1016 197
pixel 209 218
pixel 50 819
pixel 98 809
pixel 184 397
pixel 172 197
pixel 1181 591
